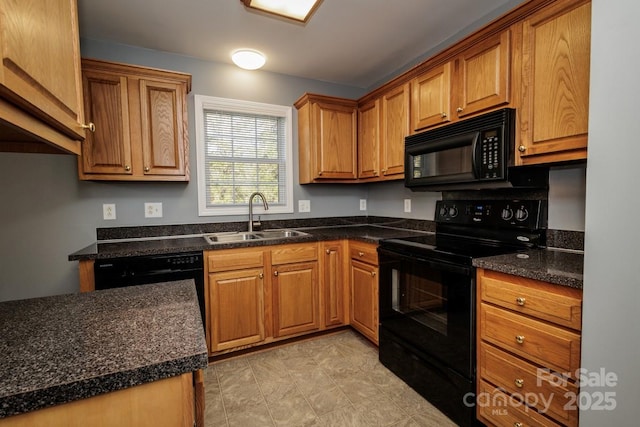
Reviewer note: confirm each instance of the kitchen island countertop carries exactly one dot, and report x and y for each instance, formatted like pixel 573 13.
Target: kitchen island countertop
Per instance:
pixel 63 348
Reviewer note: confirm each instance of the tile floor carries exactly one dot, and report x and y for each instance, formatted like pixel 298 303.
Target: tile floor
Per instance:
pixel 334 380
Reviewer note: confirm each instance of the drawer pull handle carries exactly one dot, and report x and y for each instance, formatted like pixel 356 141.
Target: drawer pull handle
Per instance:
pixel 519 382
pixel 518 424
pixel 520 339
pixel 360 254
pixel 520 301
pixel 261 275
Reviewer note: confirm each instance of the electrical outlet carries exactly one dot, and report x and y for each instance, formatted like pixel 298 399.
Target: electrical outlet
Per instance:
pixel 109 211
pixel 363 204
pixel 407 205
pixel 304 205
pixel 153 210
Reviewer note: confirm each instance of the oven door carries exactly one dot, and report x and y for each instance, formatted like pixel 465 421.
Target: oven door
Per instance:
pixel 429 305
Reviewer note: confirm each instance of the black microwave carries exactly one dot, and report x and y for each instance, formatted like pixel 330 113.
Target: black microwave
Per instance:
pixel 470 154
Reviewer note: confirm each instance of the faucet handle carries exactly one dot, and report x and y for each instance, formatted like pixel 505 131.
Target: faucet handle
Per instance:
pixel 257 225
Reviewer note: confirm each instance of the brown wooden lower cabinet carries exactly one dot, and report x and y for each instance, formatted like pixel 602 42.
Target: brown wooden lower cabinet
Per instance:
pixel 528 351
pixel 170 402
pixel 364 289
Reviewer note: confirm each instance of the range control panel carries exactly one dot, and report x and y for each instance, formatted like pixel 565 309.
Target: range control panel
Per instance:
pixel 530 214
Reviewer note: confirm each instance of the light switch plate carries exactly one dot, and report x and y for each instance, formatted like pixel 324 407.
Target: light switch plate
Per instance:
pixel 363 204
pixel 109 211
pixel 407 205
pixel 304 205
pixel 153 210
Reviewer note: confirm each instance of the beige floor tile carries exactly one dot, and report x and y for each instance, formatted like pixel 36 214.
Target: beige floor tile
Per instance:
pixel 334 380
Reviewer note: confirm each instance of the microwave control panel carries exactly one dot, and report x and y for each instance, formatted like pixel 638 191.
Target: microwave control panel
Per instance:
pixel 492 162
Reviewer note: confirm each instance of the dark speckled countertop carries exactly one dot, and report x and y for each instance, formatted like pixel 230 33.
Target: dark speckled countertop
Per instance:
pixel 176 244
pixel 63 348
pixel 556 266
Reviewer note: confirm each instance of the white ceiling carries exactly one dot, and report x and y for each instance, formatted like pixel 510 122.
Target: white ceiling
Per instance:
pixel 352 42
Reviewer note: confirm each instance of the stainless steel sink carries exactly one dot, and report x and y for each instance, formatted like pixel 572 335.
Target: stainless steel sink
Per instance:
pixel 229 237
pixel 242 236
pixel 280 234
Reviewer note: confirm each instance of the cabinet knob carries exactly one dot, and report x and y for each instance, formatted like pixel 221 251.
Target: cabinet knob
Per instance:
pixel 127 168
pixel 518 424
pixel 261 275
pixel 373 274
pixel 519 382
pixel 520 301
pixel 146 168
pixel 327 251
pixel 459 109
pixel 91 126
pixel 444 115
pixel 522 148
pixel 320 173
pixel 384 171
pixel 360 254
pixel 520 339
pixel 275 273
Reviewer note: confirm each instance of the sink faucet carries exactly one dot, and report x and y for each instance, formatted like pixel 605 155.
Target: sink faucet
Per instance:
pixel 264 203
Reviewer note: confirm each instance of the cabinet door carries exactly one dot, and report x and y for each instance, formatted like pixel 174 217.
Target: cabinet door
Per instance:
pixel 364 299
pixel 163 126
pixel 483 75
pixel 333 283
pixel 335 132
pixel 394 127
pixel 236 308
pixel 295 298
pixel 555 84
pixel 108 149
pixel 431 98
pixel 40 67
pixel 368 140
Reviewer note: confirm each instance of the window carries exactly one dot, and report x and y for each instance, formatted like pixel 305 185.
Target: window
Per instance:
pixel 243 147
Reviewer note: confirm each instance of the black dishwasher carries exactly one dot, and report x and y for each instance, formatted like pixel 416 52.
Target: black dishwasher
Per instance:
pixel 147 269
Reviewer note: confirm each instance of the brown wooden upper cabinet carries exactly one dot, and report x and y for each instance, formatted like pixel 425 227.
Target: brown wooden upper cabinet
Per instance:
pixel 477 80
pixel 383 123
pixel 40 84
pixel 327 128
pixel 140 122
pixel 554 113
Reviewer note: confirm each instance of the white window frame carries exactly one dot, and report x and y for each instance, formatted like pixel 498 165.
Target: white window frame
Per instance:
pixel 203 103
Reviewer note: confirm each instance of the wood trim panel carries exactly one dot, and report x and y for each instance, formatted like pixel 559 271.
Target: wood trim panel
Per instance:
pixel 163 403
pixel 234 259
pixel 296 252
pixel 87 277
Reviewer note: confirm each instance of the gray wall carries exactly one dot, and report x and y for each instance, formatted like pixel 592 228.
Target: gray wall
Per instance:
pixel 610 336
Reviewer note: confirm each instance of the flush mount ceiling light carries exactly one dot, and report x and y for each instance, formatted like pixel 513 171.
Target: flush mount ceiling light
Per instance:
pixel 248 59
pixel 298 10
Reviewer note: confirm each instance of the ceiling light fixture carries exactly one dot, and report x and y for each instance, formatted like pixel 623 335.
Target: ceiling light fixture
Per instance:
pixel 298 10
pixel 248 59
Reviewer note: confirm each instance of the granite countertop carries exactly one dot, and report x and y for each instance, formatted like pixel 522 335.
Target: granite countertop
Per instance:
pixel 557 266
pixel 64 348
pixel 188 243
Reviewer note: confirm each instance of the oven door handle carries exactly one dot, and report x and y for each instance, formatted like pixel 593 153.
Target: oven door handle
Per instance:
pixel 445 266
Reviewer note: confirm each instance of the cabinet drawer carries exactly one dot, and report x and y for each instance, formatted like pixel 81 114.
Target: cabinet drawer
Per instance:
pixel 557 304
pixel 294 253
pixel 232 259
pixel 540 342
pixel 517 376
pixel 500 410
pixel 363 252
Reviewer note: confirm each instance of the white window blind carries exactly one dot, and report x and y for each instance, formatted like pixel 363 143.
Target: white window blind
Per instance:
pixel 243 147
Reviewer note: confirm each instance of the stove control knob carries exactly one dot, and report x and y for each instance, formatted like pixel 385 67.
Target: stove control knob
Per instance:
pixel 522 214
pixel 443 211
pixel 453 212
pixel 507 214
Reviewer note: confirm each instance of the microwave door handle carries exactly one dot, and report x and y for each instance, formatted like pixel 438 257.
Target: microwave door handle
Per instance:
pixel 475 155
